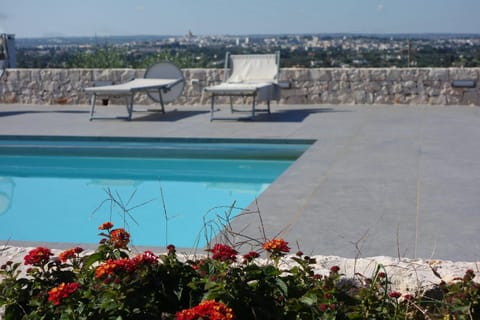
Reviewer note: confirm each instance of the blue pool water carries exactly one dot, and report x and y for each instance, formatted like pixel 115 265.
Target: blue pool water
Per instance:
pixel 162 192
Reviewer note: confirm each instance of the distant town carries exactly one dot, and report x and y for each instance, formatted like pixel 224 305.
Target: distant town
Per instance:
pixel 303 50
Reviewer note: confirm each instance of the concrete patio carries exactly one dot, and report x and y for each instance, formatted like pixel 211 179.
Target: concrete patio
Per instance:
pixel 379 180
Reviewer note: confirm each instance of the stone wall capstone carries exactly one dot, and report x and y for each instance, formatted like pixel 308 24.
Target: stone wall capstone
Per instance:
pixel 306 86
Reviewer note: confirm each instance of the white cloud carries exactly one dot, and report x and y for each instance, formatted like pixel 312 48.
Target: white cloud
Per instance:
pixel 140 8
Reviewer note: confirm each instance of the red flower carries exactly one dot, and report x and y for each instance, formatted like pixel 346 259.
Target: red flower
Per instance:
pixel 171 249
pixel 69 254
pixel 408 297
pixel 105 226
pixel 38 256
pixel 223 252
pixel 469 275
pixel 317 276
pixel 249 257
pixel 328 295
pixel 276 246
pixel 147 257
pixel 62 291
pixel 207 310
pixel 120 238
pixel 394 294
pixel 334 269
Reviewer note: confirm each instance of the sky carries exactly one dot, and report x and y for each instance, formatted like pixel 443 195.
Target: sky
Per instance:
pixel 44 18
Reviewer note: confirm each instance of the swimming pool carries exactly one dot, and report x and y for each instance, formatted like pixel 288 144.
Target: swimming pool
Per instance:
pixel 162 190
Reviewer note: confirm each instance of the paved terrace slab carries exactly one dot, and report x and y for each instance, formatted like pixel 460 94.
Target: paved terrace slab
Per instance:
pixel 379 180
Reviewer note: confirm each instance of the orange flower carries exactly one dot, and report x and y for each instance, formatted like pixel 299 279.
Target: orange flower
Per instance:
pixel 105 269
pixel 120 238
pixel 69 254
pixel 105 226
pixel 276 246
pixel 108 268
pixel 209 309
pixel 62 291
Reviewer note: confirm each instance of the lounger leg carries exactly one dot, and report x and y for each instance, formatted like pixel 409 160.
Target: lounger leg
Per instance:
pixel 212 106
pixel 268 106
pixel 231 104
pixel 253 108
pixel 130 106
pixel 93 99
pixel 161 100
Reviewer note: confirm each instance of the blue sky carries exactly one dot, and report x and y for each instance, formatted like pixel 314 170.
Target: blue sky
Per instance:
pixel 38 18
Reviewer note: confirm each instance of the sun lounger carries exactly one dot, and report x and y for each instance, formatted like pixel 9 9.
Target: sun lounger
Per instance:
pixel 251 75
pixel 163 83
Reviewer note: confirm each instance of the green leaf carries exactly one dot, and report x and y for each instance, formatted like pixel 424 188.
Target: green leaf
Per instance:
pixel 282 286
pixel 309 299
pixel 91 259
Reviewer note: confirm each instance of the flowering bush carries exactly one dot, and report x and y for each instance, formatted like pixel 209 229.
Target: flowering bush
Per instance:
pixel 112 283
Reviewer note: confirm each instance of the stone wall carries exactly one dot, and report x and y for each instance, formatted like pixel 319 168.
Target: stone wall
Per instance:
pixel 306 86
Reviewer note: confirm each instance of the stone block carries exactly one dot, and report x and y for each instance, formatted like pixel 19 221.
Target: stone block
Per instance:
pixel 393 74
pixel 315 98
pixel 385 88
pixel 356 75
pixel 410 87
pixel 383 99
pixel 86 75
pixel 437 100
pixel 127 75
pixel 12 75
pixel 199 74
pixel 378 74
pixel 317 89
pixel 359 97
pixel 471 97
pixel 438 74
pixel 60 75
pixel 397 88
pixel 398 99
pixel 319 75
pixel 294 74
pixel 463 74
pixel 341 98
pixel 74 75
pixel 33 85
pixel 432 92
pixel 372 86
pixel 339 86
pixel 454 100
pixel 11 97
pixel 24 75
pixel 454 92
pixel 340 74
pixel 408 74
pixel 305 84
